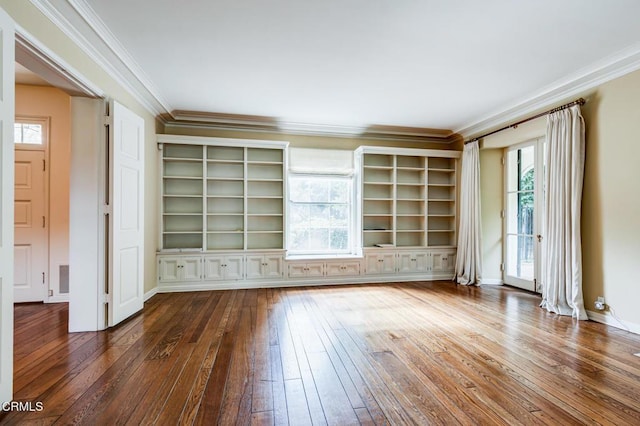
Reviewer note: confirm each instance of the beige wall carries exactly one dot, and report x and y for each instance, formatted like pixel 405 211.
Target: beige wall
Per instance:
pixel 610 205
pixel 52 103
pixel 28 17
pixel 611 199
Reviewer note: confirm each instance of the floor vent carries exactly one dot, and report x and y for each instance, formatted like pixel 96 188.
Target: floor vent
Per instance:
pixel 64 279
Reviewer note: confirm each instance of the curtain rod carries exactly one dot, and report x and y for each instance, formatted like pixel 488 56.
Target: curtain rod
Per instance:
pixel 580 101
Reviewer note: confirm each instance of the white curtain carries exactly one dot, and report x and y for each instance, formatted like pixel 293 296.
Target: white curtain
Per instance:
pixel 561 243
pixel 469 260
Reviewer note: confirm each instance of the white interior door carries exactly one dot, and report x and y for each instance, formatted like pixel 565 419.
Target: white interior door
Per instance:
pixel 7 112
pixel 523 184
pixel 126 225
pixel 30 222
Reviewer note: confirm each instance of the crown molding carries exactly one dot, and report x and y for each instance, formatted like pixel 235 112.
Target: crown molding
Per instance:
pixel 602 71
pixel 78 21
pixel 257 123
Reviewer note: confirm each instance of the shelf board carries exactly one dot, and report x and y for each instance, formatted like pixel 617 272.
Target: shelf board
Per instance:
pixel 450 185
pixel 224 214
pixel 225 178
pixel 378 183
pixel 440 215
pixel 268 163
pixel 410 199
pixel 410 184
pixel 417 169
pixel 440 170
pixel 181 196
pixel 377 199
pixel 267 197
pixel 182 214
pixel 264 232
pixel 441 199
pixel 264 214
pixel 226 196
pixel 183 177
pixel 225 232
pixel 378 167
pixel 410 230
pixel 377 215
pixel 174 159
pixel 264 180
pixel 377 230
pixel 182 233
pixel 409 215
pixel 439 230
pixel 215 160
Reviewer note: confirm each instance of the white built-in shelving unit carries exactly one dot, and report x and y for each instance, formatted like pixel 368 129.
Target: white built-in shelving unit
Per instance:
pixel 408 197
pixel 223 214
pixel 222 194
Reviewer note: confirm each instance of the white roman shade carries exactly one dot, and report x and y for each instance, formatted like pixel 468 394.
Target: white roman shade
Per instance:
pixel 321 161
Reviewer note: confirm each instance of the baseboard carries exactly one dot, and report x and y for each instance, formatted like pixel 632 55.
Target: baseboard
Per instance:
pixel 491 281
pixel 58 299
pixel 289 282
pixel 613 322
pixel 148 295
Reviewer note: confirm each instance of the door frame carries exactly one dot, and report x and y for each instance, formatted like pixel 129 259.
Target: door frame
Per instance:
pixel 539 149
pixel 46 123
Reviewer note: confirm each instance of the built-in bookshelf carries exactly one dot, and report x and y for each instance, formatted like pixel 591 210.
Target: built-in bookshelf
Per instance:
pixel 408 197
pixel 222 197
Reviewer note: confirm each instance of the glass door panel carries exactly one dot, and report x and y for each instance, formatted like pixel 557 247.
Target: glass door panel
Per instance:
pixel 520 217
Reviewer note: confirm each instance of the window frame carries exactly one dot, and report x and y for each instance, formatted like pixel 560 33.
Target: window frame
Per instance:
pixel 352 230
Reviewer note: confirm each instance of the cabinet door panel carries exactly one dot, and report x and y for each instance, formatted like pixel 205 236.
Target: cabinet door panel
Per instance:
pixel 315 269
pixel 213 268
pixel 297 270
pixel 233 268
pixel 254 267
pixel 190 269
pixel 169 269
pixel 273 266
pixel 388 263
pixel 406 262
pixel 373 264
pixel 351 268
pixel 334 269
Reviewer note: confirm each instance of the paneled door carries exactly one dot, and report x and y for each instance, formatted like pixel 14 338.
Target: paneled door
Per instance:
pixel 7 108
pixel 30 222
pixel 126 224
pixel 523 198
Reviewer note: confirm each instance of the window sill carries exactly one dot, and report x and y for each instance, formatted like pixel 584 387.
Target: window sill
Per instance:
pixel 345 256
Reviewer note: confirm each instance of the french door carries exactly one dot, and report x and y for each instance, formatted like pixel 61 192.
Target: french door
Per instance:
pixel 524 172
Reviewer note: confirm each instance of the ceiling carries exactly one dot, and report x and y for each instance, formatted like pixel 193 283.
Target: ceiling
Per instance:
pixel 460 65
pixel 26 76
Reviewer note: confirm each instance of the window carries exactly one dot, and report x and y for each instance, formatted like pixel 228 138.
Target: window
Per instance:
pixel 28 134
pixel 320 218
pixel 31 132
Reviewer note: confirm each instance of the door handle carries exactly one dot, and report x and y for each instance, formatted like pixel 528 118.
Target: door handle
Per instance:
pixel 539 238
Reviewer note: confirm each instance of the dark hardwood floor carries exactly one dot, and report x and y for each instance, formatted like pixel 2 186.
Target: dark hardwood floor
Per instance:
pixel 409 353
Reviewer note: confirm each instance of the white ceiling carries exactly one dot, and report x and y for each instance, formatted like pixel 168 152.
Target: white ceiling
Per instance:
pixel 444 64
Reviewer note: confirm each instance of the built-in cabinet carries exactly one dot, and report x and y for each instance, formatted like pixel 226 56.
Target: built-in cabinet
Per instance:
pixel 264 266
pixel 223 205
pixel 177 269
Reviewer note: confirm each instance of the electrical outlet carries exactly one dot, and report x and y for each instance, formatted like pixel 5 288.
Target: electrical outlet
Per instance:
pixel 599 304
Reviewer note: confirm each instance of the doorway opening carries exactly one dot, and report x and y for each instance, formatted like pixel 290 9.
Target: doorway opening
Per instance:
pixel 31 209
pixel 524 171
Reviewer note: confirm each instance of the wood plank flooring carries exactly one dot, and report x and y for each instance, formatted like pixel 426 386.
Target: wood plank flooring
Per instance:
pixel 407 353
